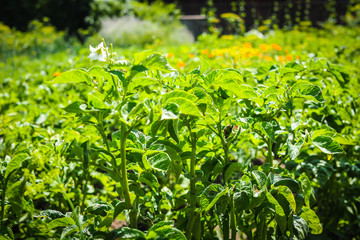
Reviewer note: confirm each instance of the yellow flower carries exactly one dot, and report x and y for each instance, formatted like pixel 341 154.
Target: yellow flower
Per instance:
pixel 170 55
pixel 227 37
pixel 191 55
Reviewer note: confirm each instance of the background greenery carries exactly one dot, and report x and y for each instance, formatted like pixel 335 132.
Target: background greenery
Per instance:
pixel 48 187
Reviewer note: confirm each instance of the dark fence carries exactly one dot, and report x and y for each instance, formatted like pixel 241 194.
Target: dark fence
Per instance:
pixel 284 12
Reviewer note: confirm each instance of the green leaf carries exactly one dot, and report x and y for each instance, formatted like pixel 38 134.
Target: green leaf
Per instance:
pixel 308 90
pixel 141 82
pixel 76 107
pixel 157 61
pixel 242 200
pixel 15 163
pixel 279 212
pixel 170 111
pixel 211 195
pixel 119 207
pixel 160 161
pixel 306 187
pixel 312 219
pixel 165 230
pixel 73 76
pixel 294 149
pixel 233 167
pixel 178 94
pixel 230 80
pixel 266 128
pixel 301 228
pixel 216 198
pixel 287 193
pixel 173 130
pixel 260 178
pixel 52 214
pixel 125 233
pixel 149 179
pixel 186 107
pixel 68 230
pixel 15 193
pixel 334 135
pixel 288 182
pixel 100 209
pixel 60 222
pixel 223 75
pixel 122 63
pixel 97 103
pixel 327 145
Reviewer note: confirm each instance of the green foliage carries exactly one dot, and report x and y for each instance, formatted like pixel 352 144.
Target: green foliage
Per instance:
pixel 137 149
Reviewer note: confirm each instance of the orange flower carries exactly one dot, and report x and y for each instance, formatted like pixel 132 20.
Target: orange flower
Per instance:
pixel 289 57
pixel 181 64
pixel 268 58
pixel 247 45
pixel 191 55
pixel 170 55
pixel 281 58
pixel 297 57
pixel 276 46
pixel 204 52
pixel 56 74
pixel 211 55
pixel 263 47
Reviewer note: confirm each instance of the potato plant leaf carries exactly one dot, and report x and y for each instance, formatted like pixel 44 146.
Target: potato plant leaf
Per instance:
pixel 308 90
pixel 15 163
pixel 300 228
pixel 60 222
pixel 149 179
pixel 68 230
pixel 74 76
pixel 125 233
pixel 159 161
pixel 279 212
pixel 166 230
pixel 312 219
pixel 287 193
pixel 294 149
pixel 156 61
pixel 327 145
pixel 266 128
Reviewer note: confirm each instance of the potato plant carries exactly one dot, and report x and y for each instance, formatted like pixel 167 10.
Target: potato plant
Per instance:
pixel 206 154
pixel 252 138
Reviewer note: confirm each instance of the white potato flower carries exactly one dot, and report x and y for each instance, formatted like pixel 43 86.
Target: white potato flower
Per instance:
pixel 99 53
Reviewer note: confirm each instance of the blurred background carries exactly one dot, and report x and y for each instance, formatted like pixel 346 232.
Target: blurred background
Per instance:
pixel 40 26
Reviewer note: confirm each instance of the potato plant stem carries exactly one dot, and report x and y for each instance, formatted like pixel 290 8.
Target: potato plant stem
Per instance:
pixel 270 155
pixel 124 180
pixel 3 201
pixel 192 165
pixel 233 219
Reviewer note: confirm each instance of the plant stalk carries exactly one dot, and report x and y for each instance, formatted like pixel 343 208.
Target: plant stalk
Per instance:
pixel 3 202
pixel 270 158
pixel 124 180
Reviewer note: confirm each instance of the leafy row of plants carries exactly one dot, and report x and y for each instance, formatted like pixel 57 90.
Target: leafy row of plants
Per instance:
pixel 267 148
pixel 199 155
